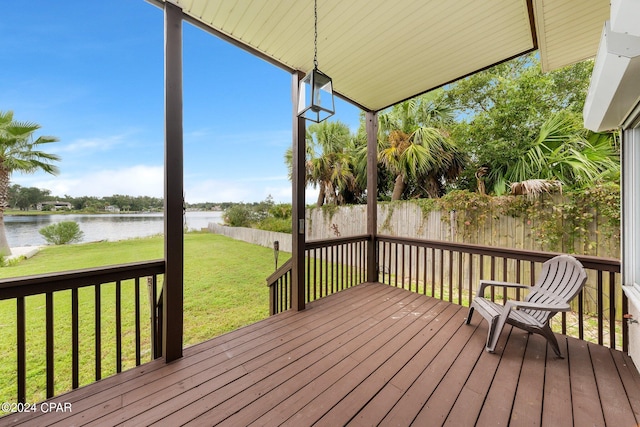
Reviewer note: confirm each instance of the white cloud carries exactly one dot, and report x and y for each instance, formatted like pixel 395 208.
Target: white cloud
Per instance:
pixel 139 180
pixel 91 145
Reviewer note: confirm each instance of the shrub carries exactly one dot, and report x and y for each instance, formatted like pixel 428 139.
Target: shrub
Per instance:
pixel 62 233
pixel 281 211
pixel 281 225
pixel 238 216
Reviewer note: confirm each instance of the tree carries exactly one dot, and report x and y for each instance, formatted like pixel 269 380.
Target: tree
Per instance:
pixel 519 124
pixel 24 198
pixel 19 152
pixel 561 151
pixel 415 147
pixel 329 163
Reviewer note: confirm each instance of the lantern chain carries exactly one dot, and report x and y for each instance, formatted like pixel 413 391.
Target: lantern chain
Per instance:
pixel 315 34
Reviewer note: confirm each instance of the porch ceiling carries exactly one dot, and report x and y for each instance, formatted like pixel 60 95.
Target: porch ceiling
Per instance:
pixel 382 52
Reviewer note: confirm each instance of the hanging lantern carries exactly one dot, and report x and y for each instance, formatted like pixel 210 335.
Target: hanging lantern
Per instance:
pixel 316 96
pixel 315 100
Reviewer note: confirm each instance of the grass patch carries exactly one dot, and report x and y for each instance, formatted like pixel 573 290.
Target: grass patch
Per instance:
pixel 224 289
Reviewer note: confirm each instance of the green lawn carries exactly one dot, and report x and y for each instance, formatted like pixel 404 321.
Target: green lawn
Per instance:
pixel 224 289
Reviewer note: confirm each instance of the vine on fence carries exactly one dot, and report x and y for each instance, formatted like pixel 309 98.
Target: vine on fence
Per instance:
pixel 559 222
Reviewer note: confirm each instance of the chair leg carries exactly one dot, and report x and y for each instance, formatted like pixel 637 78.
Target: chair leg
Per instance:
pixel 495 329
pixel 551 339
pixel 469 315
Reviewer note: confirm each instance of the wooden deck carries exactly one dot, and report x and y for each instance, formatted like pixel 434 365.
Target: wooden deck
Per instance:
pixel 369 355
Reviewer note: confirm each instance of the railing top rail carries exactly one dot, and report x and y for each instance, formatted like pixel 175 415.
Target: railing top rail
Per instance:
pixel 51 282
pixel 321 243
pixel 589 262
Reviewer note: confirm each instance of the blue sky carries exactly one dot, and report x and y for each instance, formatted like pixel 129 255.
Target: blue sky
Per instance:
pixel 91 73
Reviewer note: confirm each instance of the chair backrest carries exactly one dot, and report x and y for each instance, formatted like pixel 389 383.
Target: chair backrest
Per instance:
pixel 562 277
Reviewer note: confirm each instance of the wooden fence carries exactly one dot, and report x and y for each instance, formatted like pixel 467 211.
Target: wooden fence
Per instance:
pixel 488 228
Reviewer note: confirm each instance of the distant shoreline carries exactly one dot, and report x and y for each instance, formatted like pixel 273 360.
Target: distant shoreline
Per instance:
pixel 75 212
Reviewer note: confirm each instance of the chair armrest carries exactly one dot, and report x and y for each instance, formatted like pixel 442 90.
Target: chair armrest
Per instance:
pixel 489 283
pixel 559 306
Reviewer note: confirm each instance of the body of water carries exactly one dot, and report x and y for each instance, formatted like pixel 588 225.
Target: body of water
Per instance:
pixel 23 230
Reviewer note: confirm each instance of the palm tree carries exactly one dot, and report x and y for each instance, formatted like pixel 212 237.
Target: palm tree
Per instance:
pixel 329 163
pixel 562 151
pixel 19 153
pixel 415 146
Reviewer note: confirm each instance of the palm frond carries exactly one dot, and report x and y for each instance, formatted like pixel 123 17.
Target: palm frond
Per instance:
pixel 535 187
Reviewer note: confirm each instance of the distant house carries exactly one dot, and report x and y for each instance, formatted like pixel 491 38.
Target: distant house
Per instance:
pixel 111 208
pixel 54 205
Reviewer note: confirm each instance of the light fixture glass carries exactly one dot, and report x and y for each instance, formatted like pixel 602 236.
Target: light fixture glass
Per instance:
pixel 315 95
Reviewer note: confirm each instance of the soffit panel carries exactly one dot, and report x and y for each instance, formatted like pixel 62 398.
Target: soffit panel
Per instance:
pixel 381 52
pixel 569 30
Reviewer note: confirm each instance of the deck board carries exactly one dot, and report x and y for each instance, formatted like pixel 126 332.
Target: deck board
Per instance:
pixel 527 405
pixel 584 390
pixel 372 354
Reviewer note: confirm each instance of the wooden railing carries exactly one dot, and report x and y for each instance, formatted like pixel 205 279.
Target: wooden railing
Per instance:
pixel 85 292
pixel 279 284
pixel 451 272
pixel 330 266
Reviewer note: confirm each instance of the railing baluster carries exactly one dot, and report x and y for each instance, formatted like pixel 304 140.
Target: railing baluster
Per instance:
pixel 326 270
pixel 581 314
pixel 459 278
pixel 382 264
pixel 332 263
pixel 441 274
pixel 403 261
pixel 600 308
pixel 159 317
pixel 470 279
pixel 612 310
pixel 518 277
pixel 307 269
pixel 395 269
pixel 363 265
pixel 424 271
pixel 493 277
pixel 343 259
pixel 532 273
pixel 315 274
pixel 98 332
pixel 118 327
pixel 75 341
pixel 21 350
pixel 322 263
pixel 450 276
pixel 137 319
pixel 504 279
pixel 351 263
pixel 286 304
pixel 417 269
pixel 49 343
pixel 153 315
